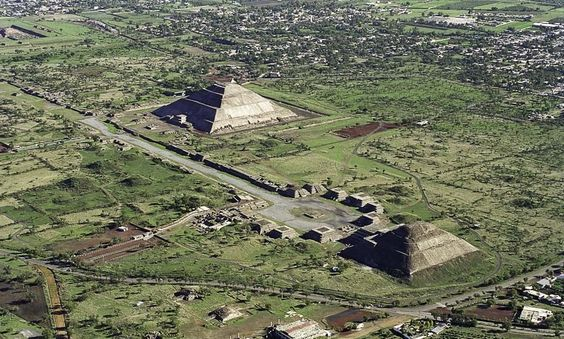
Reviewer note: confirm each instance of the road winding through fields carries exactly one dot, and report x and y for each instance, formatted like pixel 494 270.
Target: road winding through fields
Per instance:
pixel 422 311
pixel 281 209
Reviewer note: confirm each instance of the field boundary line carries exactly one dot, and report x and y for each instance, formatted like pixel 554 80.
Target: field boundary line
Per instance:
pixel 56 311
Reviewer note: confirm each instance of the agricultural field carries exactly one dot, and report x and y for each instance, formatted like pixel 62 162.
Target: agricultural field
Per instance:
pixel 107 185
pixel 465 157
pixel 134 310
pixel 22 300
pixel 62 184
pixel 444 111
pixel 235 254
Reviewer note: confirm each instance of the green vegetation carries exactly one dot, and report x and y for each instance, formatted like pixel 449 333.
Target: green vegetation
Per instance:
pixel 59 190
pixel 236 255
pixel 487 165
pixel 134 310
pixel 16 270
pixel 11 325
pixel 145 191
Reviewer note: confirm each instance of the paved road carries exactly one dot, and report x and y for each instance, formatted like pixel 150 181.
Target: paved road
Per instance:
pixel 411 311
pixel 519 330
pixel 424 311
pixel 281 208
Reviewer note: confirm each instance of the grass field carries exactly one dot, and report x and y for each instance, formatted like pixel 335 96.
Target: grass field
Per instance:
pixel 467 157
pixel 107 185
pixel 57 191
pixel 478 170
pixel 11 325
pixel 106 310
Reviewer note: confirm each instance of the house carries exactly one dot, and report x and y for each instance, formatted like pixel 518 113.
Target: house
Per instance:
pixel 336 194
pixel 122 229
pixel 299 329
pixel 225 313
pixel 358 200
pixel 263 226
pixel 282 232
pixel 534 315
pixel 550 298
pixel 322 234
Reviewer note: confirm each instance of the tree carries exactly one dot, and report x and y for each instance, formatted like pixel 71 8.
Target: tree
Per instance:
pixel 490 302
pixel 506 325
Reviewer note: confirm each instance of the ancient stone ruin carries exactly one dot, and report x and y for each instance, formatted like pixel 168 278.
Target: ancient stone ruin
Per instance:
pixel 18 33
pixel 407 249
pixel 222 108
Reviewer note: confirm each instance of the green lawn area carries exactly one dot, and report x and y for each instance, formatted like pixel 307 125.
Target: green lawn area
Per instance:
pixel 390 99
pixel 234 255
pixel 11 325
pixel 104 309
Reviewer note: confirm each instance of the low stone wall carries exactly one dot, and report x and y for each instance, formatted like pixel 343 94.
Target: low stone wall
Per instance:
pixel 257 181
pixel 260 182
pixel 28 31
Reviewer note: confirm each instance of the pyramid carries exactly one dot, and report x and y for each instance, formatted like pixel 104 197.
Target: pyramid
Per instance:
pixel 222 108
pixel 409 249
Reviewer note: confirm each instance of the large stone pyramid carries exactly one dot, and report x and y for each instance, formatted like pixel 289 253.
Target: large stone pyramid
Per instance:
pixel 224 108
pixel 409 249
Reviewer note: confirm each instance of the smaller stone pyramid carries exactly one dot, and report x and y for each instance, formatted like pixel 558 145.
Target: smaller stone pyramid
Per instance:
pixel 409 249
pixel 224 108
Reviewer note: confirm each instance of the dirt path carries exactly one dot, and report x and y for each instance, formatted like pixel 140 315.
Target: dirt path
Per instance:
pixel 54 302
pixel 424 198
pixel 347 159
pixel 311 125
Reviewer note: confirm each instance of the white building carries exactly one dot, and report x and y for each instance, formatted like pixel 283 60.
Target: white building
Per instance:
pixel 535 315
pixel 300 329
